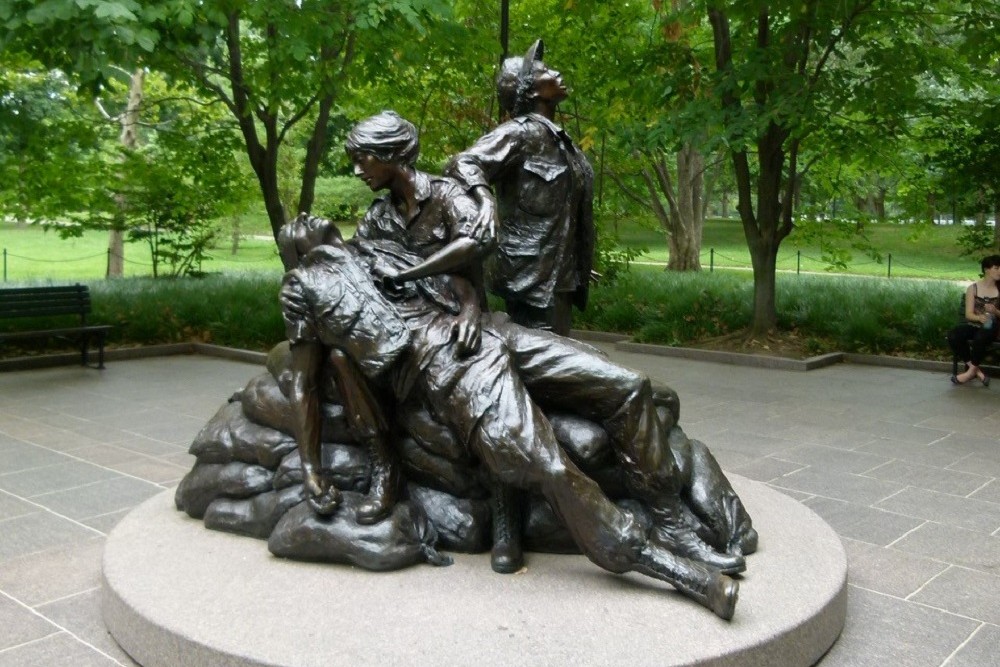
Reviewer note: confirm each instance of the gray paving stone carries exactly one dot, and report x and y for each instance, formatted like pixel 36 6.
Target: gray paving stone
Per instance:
pixel 81 615
pixel 58 439
pixel 954 545
pixel 883 631
pixel 980 463
pixel 21 625
pixel 143 445
pixel 152 469
pixel 966 592
pixel 180 430
pixel 980 650
pixel 842 486
pixel 98 498
pixel 830 458
pixel 961 441
pixel 977 515
pixel 105 455
pixel 106 522
pixel 896 431
pixel 887 570
pixel 937 455
pixel 926 477
pixel 797 495
pixel 861 522
pixel 766 469
pixel 12 507
pixel 989 493
pixel 38 532
pixel 18 455
pixel 53 574
pixel 68 475
pixel 749 444
pixel 59 649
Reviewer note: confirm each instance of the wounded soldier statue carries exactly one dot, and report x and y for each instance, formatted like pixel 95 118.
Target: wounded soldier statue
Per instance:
pixel 398 402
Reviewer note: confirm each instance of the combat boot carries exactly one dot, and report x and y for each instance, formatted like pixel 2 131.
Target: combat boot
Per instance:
pixel 671 531
pixel 709 588
pixel 507 555
pixel 383 492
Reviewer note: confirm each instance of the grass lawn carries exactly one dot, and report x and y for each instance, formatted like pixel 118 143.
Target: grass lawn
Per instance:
pixel 916 251
pixel 33 254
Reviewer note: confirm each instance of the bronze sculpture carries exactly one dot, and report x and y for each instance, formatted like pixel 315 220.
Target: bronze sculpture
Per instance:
pixel 543 216
pixel 433 386
pixel 543 209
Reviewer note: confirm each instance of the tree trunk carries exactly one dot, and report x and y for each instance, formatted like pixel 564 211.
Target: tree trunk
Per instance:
pixel 763 257
pixel 130 139
pixel 688 221
pixel 996 222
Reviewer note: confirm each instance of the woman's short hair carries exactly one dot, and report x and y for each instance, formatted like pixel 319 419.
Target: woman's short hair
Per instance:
pixel 387 136
pixel 988 262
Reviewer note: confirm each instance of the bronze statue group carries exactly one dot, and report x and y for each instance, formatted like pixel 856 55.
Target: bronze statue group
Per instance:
pixel 397 319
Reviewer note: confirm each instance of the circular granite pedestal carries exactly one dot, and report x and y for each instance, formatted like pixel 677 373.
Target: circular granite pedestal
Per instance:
pixel 176 593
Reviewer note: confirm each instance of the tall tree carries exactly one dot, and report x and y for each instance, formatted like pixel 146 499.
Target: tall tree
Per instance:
pixel 274 65
pixel 783 69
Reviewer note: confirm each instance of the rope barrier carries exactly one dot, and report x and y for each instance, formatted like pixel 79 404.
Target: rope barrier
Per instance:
pixel 54 261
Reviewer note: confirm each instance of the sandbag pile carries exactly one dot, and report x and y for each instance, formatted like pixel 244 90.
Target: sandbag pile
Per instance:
pixel 247 480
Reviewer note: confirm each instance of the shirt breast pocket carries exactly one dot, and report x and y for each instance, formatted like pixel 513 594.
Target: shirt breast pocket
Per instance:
pixel 544 186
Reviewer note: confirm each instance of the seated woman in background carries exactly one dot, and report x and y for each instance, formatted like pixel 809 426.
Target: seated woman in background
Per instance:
pixel 970 339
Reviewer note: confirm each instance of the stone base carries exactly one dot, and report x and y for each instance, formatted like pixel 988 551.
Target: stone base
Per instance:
pixel 178 594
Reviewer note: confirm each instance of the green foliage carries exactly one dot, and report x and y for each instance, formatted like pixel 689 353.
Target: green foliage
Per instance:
pixel 844 314
pixel 50 144
pixel 976 240
pixel 342 198
pixel 238 310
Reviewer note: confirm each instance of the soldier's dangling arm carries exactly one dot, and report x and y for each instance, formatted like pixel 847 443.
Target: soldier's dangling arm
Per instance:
pixel 304 396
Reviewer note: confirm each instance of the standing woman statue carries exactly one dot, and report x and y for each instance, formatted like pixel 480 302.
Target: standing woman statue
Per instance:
pixel 542 217
pixel 543 209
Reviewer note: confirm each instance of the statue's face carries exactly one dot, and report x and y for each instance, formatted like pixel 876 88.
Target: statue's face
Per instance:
pixel 310 232
pixel 374 172
pixel 549 85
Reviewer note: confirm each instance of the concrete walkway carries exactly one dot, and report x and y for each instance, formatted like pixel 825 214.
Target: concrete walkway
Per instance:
pixel 904 466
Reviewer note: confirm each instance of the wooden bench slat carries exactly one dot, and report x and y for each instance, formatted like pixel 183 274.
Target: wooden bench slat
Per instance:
pixel 55 300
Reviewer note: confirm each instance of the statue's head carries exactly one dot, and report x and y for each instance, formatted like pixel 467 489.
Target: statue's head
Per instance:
pixel 522 80
pixel 299 236
pixel 386 136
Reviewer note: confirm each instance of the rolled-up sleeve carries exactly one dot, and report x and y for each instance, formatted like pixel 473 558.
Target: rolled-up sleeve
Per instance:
pixel 491 155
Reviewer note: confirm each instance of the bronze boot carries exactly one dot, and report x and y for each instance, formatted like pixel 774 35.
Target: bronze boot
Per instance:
pixel 383 492
pixel 671 531
pixel 708 587
pixel 507 555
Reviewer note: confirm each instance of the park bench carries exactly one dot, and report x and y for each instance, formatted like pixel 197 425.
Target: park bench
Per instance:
pixel 993 351
pixel 49 302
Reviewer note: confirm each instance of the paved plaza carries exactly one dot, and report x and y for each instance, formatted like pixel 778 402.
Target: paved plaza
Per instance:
pixel 904 466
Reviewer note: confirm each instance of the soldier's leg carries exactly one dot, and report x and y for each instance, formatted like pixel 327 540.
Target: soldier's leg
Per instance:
pixel 562 374
pixel 516 442
pixel 370 426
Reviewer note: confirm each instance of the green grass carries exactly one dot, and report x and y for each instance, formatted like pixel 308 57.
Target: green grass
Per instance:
pixel 34 254
pixel 915 251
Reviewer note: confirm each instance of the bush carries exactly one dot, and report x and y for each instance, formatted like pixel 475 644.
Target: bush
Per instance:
pixel 867 315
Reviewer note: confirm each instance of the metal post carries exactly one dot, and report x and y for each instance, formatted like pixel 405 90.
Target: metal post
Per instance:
pixel 889 274
pixel 107 265
pixel 798 262
pixel 711 260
